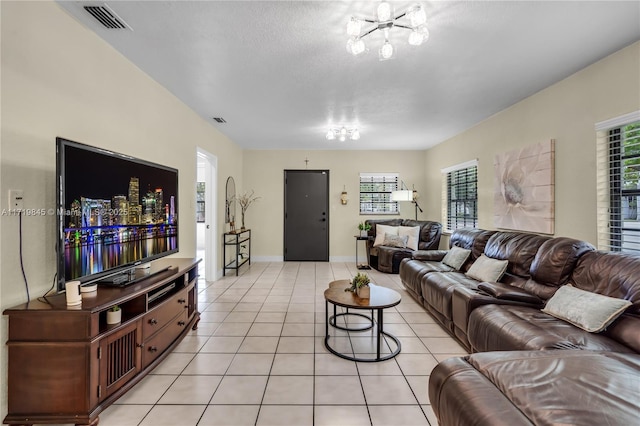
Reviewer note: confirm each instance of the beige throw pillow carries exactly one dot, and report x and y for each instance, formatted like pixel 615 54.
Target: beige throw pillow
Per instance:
pixel 487 269
pixel 589 311
pixel 413 234
pixel 455 257
pixel 381 230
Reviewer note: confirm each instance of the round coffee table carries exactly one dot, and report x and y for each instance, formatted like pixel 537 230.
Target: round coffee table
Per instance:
pixel 380 299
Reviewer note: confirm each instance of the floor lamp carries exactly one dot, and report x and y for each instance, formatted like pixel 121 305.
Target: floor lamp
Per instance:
pixel 406 195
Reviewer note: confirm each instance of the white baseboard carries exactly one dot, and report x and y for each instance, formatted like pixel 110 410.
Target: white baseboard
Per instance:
pixel 346 259
pixel 267 258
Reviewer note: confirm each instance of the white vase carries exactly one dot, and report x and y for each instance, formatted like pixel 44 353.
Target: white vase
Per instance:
pixel 363 292
pixel 114 317
pixel 364 233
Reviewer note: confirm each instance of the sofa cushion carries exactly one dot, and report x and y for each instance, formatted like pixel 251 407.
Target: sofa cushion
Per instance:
pixel 456 257
pixel 614 275
pixel 381 230
pixel 399 241
pixel 513 328
pixel 487 269
pixel 413 235
pixel 556 260
pixel 591 312
pixel 437 289
pixel 534 387
pixel 506 292
pixel 517 247
pixel 611 274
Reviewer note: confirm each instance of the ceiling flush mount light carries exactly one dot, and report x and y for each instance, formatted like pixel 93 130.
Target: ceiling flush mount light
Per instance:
pixel 414 19
pixel 342 134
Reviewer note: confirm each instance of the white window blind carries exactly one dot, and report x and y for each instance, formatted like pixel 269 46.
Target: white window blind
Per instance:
pixel 375 193
pixel 460 195
pixel 619 185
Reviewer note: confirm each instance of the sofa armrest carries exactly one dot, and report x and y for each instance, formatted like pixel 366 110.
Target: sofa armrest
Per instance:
pixel 506 292
pixel 429 255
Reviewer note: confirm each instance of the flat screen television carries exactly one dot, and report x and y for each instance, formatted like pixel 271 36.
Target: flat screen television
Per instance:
pixel 114 213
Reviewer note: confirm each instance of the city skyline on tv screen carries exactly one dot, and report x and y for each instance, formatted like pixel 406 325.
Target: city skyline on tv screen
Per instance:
pixel 100 177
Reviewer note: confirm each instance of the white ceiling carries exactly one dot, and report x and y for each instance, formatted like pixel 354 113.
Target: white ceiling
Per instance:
pixel 279 74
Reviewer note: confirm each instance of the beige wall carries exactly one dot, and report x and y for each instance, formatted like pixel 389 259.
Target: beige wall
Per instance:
pixel 566 112
pixel 264 173
pixel 59 79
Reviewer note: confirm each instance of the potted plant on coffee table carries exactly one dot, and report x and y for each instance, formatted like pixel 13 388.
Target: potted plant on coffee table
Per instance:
pixel 360 286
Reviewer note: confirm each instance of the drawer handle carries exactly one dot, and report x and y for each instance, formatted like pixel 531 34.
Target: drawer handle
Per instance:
pixel 182 301
pixel 181 323
pixel 140 345
pixel 153 349
pixel 153 321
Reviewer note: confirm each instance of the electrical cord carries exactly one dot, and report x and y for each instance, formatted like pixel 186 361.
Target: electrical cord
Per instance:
pixel 24 275
pixel 44 296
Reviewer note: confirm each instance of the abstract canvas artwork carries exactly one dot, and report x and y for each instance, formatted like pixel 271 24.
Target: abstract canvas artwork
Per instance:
pixel 524 189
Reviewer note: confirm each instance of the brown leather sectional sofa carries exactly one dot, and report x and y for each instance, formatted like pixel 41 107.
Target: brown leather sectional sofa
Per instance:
pixel 387 259
pixel 534 368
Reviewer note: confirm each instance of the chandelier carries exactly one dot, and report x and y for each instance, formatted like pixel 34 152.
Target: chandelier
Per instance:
pixel 413 20
pixel 342 134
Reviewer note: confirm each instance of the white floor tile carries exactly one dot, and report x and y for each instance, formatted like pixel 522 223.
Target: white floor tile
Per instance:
pixel 259 358
pixel 230 415
pixel 285 415
pixel 171 415
pixel 244 390
pixel 342 415
pixel 390 415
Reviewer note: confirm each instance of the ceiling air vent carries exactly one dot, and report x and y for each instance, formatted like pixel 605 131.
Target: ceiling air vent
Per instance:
pixel 107 17
pixel 220 119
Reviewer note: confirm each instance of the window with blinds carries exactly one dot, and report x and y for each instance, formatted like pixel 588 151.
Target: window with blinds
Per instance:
pixel 462 197
pixel 624 187
pixel 375 193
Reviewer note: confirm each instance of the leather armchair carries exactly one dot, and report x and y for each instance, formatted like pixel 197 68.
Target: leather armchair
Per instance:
pixel 387 259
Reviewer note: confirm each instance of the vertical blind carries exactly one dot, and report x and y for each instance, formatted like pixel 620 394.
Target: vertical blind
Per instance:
pixel 462 197
pixel 624 187
pixel 375 193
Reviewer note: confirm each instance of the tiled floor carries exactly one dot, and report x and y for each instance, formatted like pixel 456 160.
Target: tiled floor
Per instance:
pixel 258 358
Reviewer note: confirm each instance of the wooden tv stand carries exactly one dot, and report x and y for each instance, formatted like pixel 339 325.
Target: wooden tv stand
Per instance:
pixel 66 364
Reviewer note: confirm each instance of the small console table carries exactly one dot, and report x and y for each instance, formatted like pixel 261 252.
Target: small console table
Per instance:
pixel 240 243
pixel 366 240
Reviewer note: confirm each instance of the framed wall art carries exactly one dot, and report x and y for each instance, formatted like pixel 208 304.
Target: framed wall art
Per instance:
pixel 524 189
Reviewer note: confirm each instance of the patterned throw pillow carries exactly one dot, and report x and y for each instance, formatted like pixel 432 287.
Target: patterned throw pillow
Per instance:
pixel 399 241
pixel 455 257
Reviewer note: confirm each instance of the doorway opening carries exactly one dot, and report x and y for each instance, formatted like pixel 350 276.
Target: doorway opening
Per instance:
pixel 206 201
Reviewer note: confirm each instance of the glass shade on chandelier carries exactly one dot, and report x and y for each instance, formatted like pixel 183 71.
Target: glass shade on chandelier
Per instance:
pixel 342 134
pixel 414 20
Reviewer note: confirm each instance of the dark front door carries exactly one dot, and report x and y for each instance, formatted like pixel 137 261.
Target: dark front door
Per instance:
pixel 306 215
